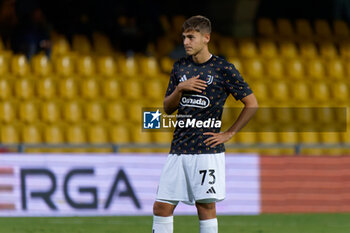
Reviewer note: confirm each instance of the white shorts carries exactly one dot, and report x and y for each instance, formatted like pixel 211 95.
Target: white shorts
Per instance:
pixel 191 178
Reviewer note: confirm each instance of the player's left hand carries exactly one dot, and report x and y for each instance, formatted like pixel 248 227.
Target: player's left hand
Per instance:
pixel 217 138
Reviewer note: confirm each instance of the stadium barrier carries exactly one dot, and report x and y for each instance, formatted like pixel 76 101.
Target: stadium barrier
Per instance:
pixel 305 184
pixel 297 147
pixel 126 184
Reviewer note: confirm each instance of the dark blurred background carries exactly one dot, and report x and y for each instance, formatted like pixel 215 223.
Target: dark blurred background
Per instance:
pixel 131 25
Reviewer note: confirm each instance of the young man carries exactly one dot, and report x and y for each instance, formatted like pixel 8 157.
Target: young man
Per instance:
pixel 195 169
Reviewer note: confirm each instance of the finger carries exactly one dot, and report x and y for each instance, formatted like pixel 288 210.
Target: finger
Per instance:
pixel 196 89
pixel 195 77
pixel 206 141
pixel 215 144
pixel 210 140
pixel 199 87
pixel 211 143
pixel 209 133
pixel 200 81
pixel 219 141
pixel 200 84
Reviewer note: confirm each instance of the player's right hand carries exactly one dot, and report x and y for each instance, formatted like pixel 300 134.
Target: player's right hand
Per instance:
pixel 193 84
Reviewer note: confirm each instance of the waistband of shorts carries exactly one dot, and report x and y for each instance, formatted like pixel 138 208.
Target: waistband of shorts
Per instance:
pixel 221 153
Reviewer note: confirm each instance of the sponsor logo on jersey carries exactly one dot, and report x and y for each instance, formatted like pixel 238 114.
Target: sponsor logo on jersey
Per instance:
pixel 197 101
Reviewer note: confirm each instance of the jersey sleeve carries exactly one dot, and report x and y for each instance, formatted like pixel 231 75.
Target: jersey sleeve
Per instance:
pixel 235 84
pixel 173 82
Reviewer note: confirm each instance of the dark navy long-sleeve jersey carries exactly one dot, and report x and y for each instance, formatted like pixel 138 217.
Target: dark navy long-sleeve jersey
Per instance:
pixel 222 79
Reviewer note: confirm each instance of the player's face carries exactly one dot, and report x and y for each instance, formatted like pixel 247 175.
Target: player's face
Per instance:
pixel 194 41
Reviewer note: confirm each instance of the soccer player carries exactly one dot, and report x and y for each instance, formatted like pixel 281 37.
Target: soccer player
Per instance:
pixel 195 169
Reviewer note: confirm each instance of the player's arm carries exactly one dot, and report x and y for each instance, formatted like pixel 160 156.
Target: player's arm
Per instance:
pixel 250 108
pixel 171 102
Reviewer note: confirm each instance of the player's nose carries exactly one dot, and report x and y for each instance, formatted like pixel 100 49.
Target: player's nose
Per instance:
pixel 186 42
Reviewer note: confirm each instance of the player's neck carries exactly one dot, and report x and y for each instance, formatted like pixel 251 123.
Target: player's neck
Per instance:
pixel 201 57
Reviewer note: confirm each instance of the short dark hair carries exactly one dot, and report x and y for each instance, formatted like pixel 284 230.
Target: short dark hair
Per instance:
pixel 197 23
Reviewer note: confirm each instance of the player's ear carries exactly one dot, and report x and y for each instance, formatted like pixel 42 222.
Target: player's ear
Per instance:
pixel 206 37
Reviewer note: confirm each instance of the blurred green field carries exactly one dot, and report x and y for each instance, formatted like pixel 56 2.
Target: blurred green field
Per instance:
pixel 266 223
